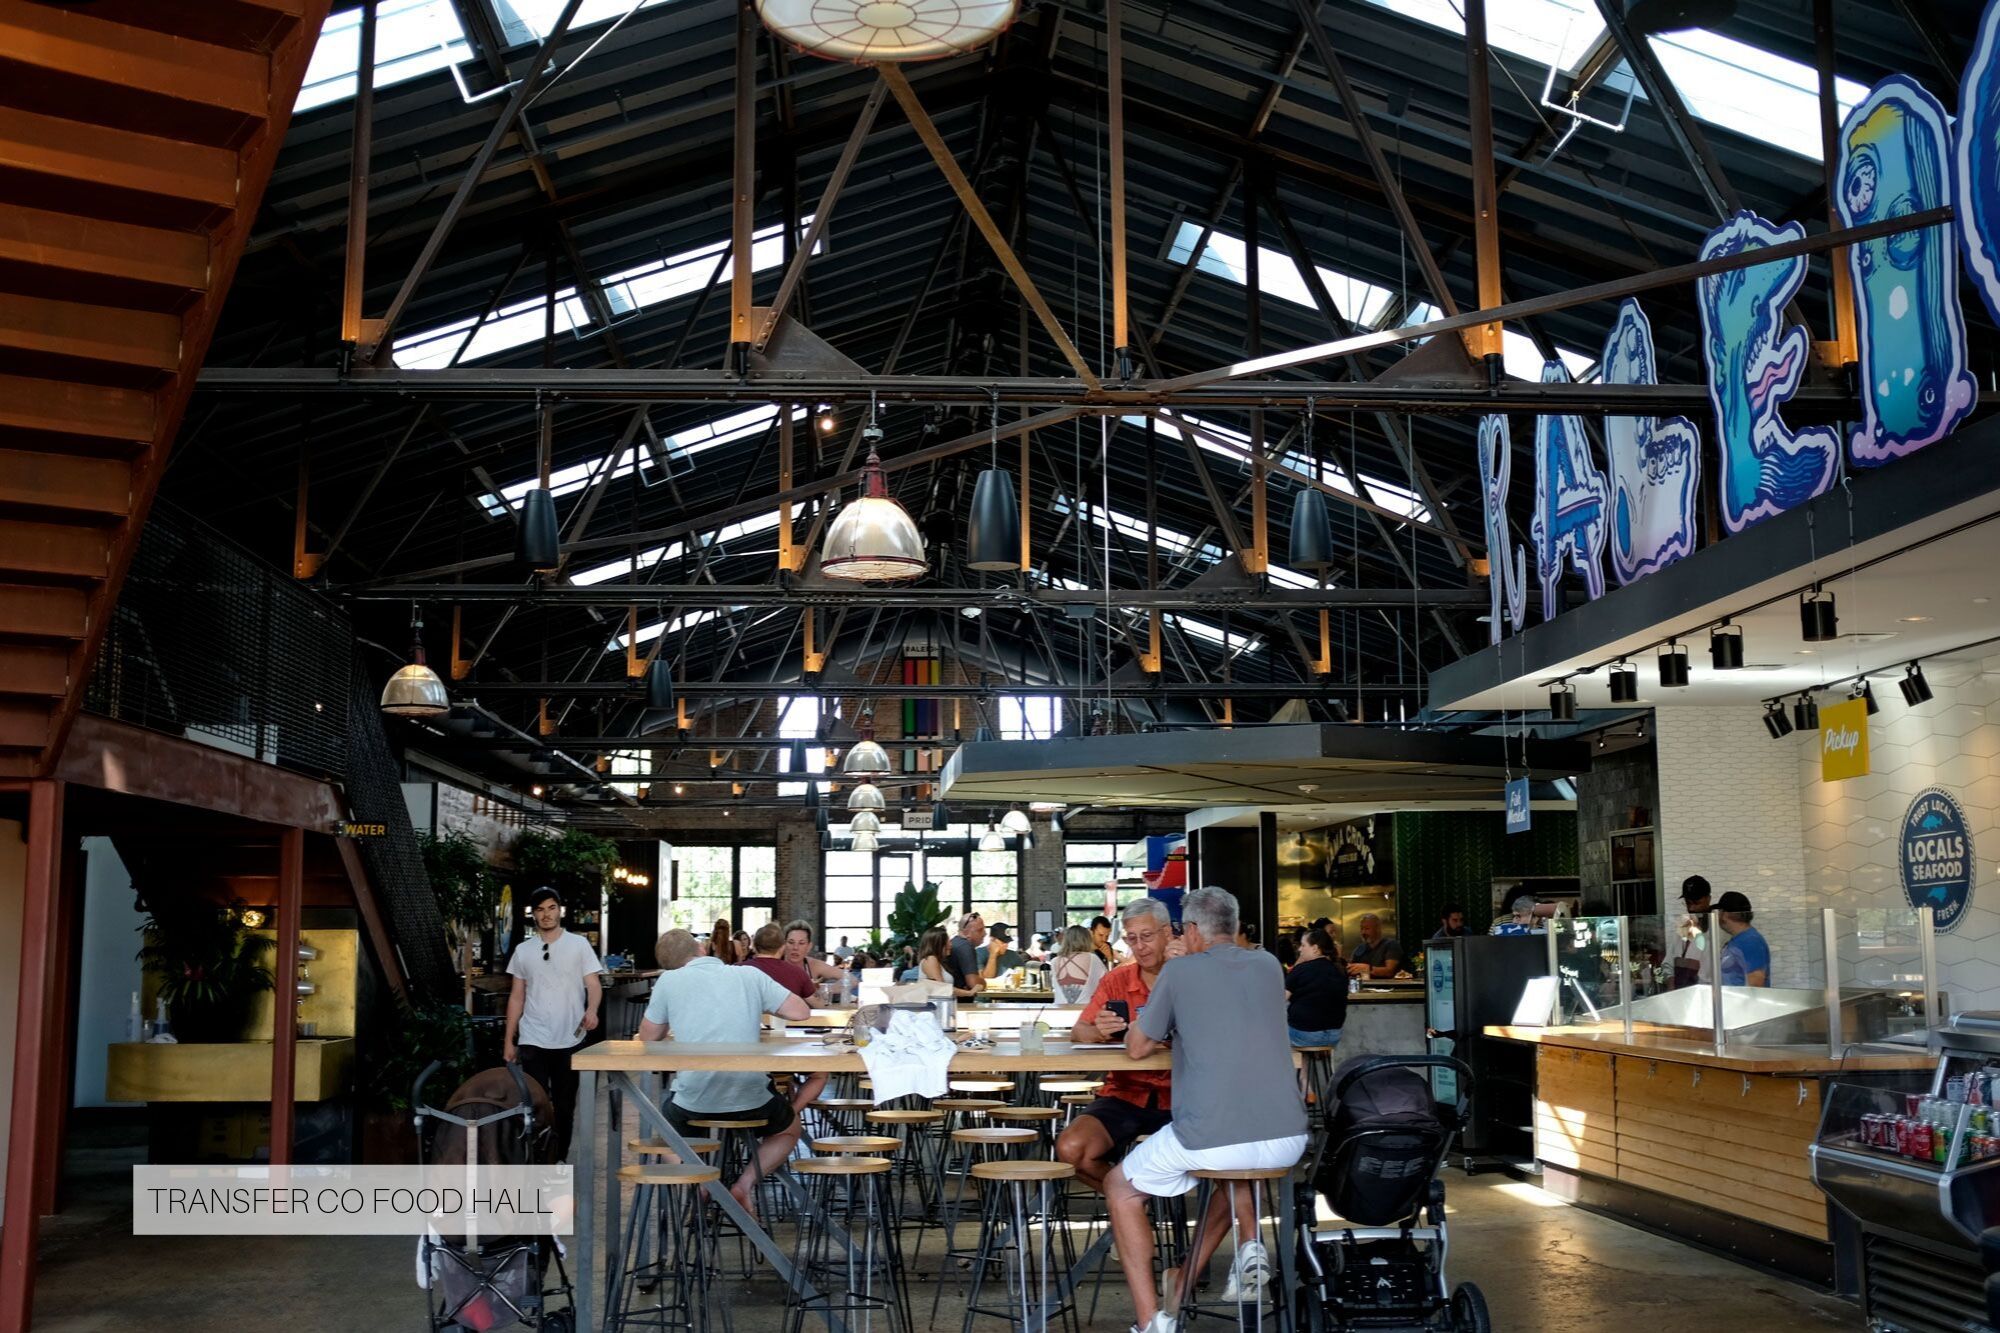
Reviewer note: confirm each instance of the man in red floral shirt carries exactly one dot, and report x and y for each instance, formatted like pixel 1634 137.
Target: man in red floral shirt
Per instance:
pixel 1131 1102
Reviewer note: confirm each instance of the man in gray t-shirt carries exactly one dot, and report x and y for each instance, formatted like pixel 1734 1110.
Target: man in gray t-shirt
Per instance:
pixel 702 999
pixel 1236 1099
pixel 964 965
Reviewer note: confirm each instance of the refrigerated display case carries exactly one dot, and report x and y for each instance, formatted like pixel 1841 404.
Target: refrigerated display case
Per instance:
pixel 1919 1172
pixel 1471 983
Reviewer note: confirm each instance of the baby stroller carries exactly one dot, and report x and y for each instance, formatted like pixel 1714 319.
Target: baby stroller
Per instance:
pixel 495 1282
pixel 1381 1266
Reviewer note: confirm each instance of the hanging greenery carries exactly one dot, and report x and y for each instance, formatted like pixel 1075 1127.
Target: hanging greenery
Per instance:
pixel 573 863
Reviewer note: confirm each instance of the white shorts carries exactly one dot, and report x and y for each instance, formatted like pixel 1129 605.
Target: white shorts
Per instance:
pixel 1162 1167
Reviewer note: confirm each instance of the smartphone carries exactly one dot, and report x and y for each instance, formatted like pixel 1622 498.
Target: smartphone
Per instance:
pixel 1119 1007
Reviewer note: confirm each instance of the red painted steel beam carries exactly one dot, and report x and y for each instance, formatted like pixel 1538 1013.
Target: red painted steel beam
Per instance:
pixel 119 757
pixel 27 1135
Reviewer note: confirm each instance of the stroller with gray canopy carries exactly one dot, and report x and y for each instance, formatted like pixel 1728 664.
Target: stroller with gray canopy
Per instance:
pixel 490 1282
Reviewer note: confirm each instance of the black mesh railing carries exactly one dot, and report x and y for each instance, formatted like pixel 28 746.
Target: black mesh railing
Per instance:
pixel 209 642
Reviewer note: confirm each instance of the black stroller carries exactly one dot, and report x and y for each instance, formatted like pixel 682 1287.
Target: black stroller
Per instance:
pixel 495 1282
pixel 1381 1266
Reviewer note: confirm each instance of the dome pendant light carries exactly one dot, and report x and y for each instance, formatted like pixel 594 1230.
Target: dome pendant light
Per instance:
pixel 864 842
pixel 873 537
pixel 1312 525
pixel 865 756
pixel 864 821
pixel 1016 820
pixel 992 842
pixel 537 544
pixel 993 533
pixel 887 30
pixel 866 796
pixel 415 690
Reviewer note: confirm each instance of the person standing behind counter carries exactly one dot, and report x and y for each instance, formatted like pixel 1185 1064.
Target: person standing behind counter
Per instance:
pixel 1746 958
pixel 1377 955
pixel 1691 962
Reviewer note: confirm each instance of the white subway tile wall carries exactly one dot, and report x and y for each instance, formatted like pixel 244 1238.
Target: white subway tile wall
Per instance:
pixel 1853 829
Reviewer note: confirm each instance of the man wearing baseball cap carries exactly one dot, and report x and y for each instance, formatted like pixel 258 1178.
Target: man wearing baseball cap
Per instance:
pixel 1691 961
pixel 553 1004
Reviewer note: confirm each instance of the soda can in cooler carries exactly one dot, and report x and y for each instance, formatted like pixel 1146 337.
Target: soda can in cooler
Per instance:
pixel 1904 1129
pixel 1913 1104
pixel 1867 1132
pixel 1920 1140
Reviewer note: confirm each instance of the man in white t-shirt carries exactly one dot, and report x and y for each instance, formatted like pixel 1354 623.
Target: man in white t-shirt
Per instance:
pixel 554 1002
pixel 698 999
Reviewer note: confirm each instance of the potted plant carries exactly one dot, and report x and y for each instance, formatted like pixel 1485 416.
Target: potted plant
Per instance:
pixel 916 911
pixel 398 1055
pixel 466 889
pixel 208 966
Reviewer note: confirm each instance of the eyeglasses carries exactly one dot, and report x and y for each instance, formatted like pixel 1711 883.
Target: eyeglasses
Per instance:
pixel 545 953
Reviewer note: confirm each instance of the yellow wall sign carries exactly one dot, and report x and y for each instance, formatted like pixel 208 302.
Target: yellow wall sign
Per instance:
pixel 1843 740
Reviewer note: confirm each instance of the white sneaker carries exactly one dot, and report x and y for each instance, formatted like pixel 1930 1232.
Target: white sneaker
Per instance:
pixel 1249 1275
pixel 1161 1322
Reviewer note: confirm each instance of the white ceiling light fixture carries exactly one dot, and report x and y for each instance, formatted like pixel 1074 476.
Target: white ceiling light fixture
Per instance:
pixel 873 537
pixel 1016 820
pixel 864 821
pixel 992 842
pixel 887 30
pixel 864 842
pixel 867 796
pixel 866 756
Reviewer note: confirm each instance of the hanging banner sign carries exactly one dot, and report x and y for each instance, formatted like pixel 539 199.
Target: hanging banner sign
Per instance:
pixel 1936 857
pixel 1519 813
pixel 1655 461
pixel 1570 503
pixel 1843 740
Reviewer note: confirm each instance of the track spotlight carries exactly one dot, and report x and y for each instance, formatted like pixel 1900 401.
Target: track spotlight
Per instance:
pixel 1916 690
pixel 1624 683
pixel 1805 713
pixel 1725 647
pixel 1776 722
pixel 1674 665
pixel 1817 620
pixel 1562 704
pixel 1863 690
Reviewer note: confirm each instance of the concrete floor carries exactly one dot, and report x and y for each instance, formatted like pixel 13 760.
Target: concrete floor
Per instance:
pixel 1542 1263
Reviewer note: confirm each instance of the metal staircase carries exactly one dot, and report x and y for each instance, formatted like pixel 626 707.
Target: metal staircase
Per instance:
pixel 136 138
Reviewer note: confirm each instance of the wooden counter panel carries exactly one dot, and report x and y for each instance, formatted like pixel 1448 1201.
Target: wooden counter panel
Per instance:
pixel 1749 1178
pixel 1576 1110
pixel 1669 1124
pixel 1722 1092
pixel 1776 1211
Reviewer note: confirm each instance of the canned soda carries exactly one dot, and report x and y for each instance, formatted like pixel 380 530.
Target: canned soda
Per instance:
pixel 1920 1139
pixel 1905 1130
pixel 1866 1132
pixel 1913 1104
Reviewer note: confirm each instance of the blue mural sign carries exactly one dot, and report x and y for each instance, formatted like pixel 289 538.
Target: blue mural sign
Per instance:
pixel 1755 364
pixel 1977 161
pixel 1519 813
pixel 1507 577
pixel 1894 151
pixel 1571 503
pixel 1937 857
pixel 1655 461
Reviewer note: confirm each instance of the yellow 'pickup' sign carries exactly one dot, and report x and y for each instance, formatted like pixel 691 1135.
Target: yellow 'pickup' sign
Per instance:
pixel 1843 740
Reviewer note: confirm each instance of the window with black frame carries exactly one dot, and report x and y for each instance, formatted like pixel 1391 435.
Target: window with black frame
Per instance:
pixel 860 888
pixel 1087 868
pixel 737 884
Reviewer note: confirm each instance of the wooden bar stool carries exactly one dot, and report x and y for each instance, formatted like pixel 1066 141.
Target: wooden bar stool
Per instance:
pixel 666 1251
pixel 842 1114
pixel 987 1143
pixel 847 1144
pixel 1024 1229
pixel 1259 1286
pixel 959 1113
pixel 915 1160
pixel 704 1149
pixel 1041 1119
pixel 860 1276
pixel 982 1087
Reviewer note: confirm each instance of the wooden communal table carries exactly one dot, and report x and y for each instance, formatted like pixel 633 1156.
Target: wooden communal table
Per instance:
pixel 1661 1128
pixel 976 1018
pixel 642 1071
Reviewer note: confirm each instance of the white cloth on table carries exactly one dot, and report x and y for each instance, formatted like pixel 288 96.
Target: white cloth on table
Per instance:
pixel 913 1056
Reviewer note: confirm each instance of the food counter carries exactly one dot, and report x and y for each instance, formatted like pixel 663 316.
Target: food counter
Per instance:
pixel 1714 1147
pixel 1383 1019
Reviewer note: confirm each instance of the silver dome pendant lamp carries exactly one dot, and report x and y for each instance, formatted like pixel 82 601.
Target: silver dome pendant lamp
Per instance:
pixel 872 538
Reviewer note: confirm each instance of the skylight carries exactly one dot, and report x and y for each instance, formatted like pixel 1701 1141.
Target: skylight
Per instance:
pixel 1228 256
pixel 625 292
pixel 412 37
pixel 1237 644
pixel 1519 356
pixel 565 480
pixel 621 568
pixel 686 620
pixel 1387 494
pixel 798 719
pixel 1725 82
pixel 681 444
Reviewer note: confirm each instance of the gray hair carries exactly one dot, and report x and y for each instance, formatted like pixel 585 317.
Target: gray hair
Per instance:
pixel 1370 917
pixel 1213 910
pixel 967 920
pixel 1140 908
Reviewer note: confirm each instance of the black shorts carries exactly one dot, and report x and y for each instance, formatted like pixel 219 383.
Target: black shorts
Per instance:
pixel 776 1114
pixel 1124 1122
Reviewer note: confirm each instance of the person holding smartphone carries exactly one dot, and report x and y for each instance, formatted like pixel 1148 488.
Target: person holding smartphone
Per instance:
pixel 1131 1102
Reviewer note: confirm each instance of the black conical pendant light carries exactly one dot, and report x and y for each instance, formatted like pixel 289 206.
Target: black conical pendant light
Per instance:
pixel 1312 525
pixel 537 546
pixel 993 533
pixel 660 684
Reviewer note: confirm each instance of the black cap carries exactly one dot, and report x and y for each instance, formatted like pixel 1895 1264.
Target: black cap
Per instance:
pixel 1732 901
pixel 1694 887
pixel 542 895
pixel 1002 929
